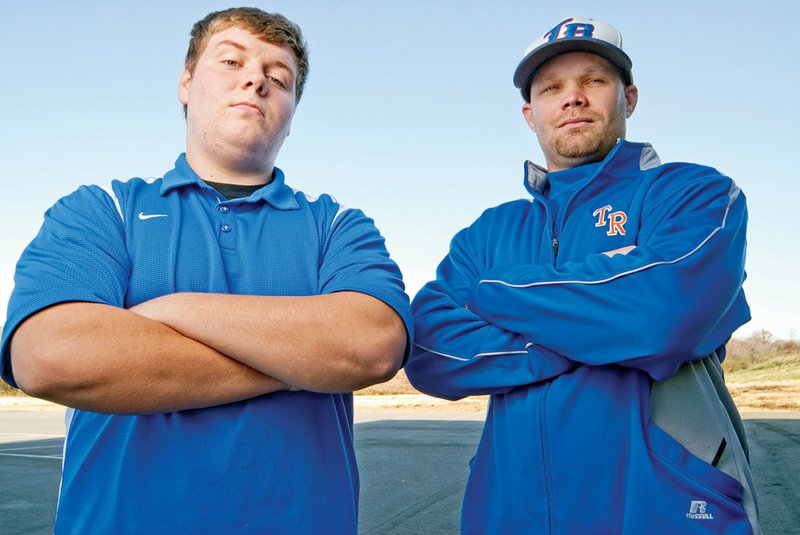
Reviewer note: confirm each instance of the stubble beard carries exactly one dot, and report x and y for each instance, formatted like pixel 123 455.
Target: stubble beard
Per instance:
pixel 584 146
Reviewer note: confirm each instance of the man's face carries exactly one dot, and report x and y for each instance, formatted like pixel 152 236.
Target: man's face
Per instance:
pixel 578 109
pixel 240 99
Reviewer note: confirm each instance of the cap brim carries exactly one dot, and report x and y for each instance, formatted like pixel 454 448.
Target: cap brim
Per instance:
pixel 535 58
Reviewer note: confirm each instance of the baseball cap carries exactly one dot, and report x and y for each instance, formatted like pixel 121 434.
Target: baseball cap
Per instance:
pixel 574 34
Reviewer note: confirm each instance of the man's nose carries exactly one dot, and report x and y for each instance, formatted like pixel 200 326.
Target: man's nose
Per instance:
pixel 255 79
pixel 574 96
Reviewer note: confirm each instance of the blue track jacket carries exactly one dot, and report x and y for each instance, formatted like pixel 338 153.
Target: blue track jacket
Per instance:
pixel 574 345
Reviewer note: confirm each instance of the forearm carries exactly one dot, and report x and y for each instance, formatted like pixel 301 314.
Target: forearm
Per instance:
pixel 325 343
pixel 449 377
pixel 105 359
pixel 458 354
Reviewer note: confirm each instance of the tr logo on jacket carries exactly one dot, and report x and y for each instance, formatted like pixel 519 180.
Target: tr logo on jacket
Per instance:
pixel 615 220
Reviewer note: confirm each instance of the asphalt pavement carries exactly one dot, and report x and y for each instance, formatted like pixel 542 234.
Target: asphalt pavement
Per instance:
pixel 412 470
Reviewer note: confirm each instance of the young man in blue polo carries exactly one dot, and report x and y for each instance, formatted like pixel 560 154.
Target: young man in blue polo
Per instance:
pixel 594 313
pixel 207 328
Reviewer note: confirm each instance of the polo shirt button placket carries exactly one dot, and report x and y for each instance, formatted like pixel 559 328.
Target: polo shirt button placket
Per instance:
pixel 227 238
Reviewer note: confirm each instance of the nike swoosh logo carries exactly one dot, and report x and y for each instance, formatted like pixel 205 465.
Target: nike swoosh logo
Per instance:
pixel 142 216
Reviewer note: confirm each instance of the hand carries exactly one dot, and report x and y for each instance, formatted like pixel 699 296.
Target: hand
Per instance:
pixel 622 250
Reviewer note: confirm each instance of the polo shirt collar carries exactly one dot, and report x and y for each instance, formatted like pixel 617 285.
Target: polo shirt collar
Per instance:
pixel 276 193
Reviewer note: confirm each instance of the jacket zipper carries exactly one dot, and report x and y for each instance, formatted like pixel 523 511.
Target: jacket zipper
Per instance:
pixel 550 224
pixel 562 216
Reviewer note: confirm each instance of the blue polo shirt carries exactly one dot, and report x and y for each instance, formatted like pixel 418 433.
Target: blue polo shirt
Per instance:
pixel 279 463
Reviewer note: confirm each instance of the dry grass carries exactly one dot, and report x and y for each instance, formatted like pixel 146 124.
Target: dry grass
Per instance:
pixel 763 373
pixel 761 351
pixel 6 390
pixel 398 394
pixel 771 396
pixel 397 386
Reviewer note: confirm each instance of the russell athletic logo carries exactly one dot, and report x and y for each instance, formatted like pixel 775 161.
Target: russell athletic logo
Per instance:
pixel 615 220
pixel 697 511
pixel 564 30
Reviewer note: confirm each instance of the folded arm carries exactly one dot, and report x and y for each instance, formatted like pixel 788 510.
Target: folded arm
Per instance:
pixel 105 359
pixel 677 296
pixel 335 342
pixel 457 353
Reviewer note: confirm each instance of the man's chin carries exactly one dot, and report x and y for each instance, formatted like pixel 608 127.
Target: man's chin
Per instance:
pixel 583 150
pixel 581 154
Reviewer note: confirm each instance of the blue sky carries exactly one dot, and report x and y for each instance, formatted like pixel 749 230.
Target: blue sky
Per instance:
pixel 409 112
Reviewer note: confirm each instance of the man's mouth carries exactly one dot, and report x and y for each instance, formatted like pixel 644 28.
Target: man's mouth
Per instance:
pixel 249 105
pixel 575 121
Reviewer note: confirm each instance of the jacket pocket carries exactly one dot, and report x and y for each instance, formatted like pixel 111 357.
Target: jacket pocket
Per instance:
pixel 672 491
pixel 677 461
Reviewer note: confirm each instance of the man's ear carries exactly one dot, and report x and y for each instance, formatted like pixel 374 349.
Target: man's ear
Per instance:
pixel 631 98
pixel 527 113
pixel 183 87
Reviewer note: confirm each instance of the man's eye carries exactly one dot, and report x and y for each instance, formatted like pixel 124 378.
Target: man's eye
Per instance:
pixel 276 81
pixel 230 63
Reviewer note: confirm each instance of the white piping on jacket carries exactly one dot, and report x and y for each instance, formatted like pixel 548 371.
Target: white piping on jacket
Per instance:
pixel 732 196
pixel 463 359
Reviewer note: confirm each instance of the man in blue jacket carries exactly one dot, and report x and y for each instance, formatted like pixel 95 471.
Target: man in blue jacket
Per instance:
pixel 595 313
pixel 207 327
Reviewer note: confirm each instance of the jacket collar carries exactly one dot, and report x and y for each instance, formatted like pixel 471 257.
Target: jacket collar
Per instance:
pixel 276 193
pixel 626 159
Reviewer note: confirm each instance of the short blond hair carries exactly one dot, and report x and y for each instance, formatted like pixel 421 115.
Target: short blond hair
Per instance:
pixel 272 28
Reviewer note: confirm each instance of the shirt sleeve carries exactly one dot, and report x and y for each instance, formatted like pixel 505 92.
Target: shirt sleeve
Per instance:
pixel 355 259
pixel 457 353
pixel 676 297
pixel 79 254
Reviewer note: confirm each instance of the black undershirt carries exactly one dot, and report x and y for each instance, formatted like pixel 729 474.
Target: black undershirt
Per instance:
pixel 234 191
